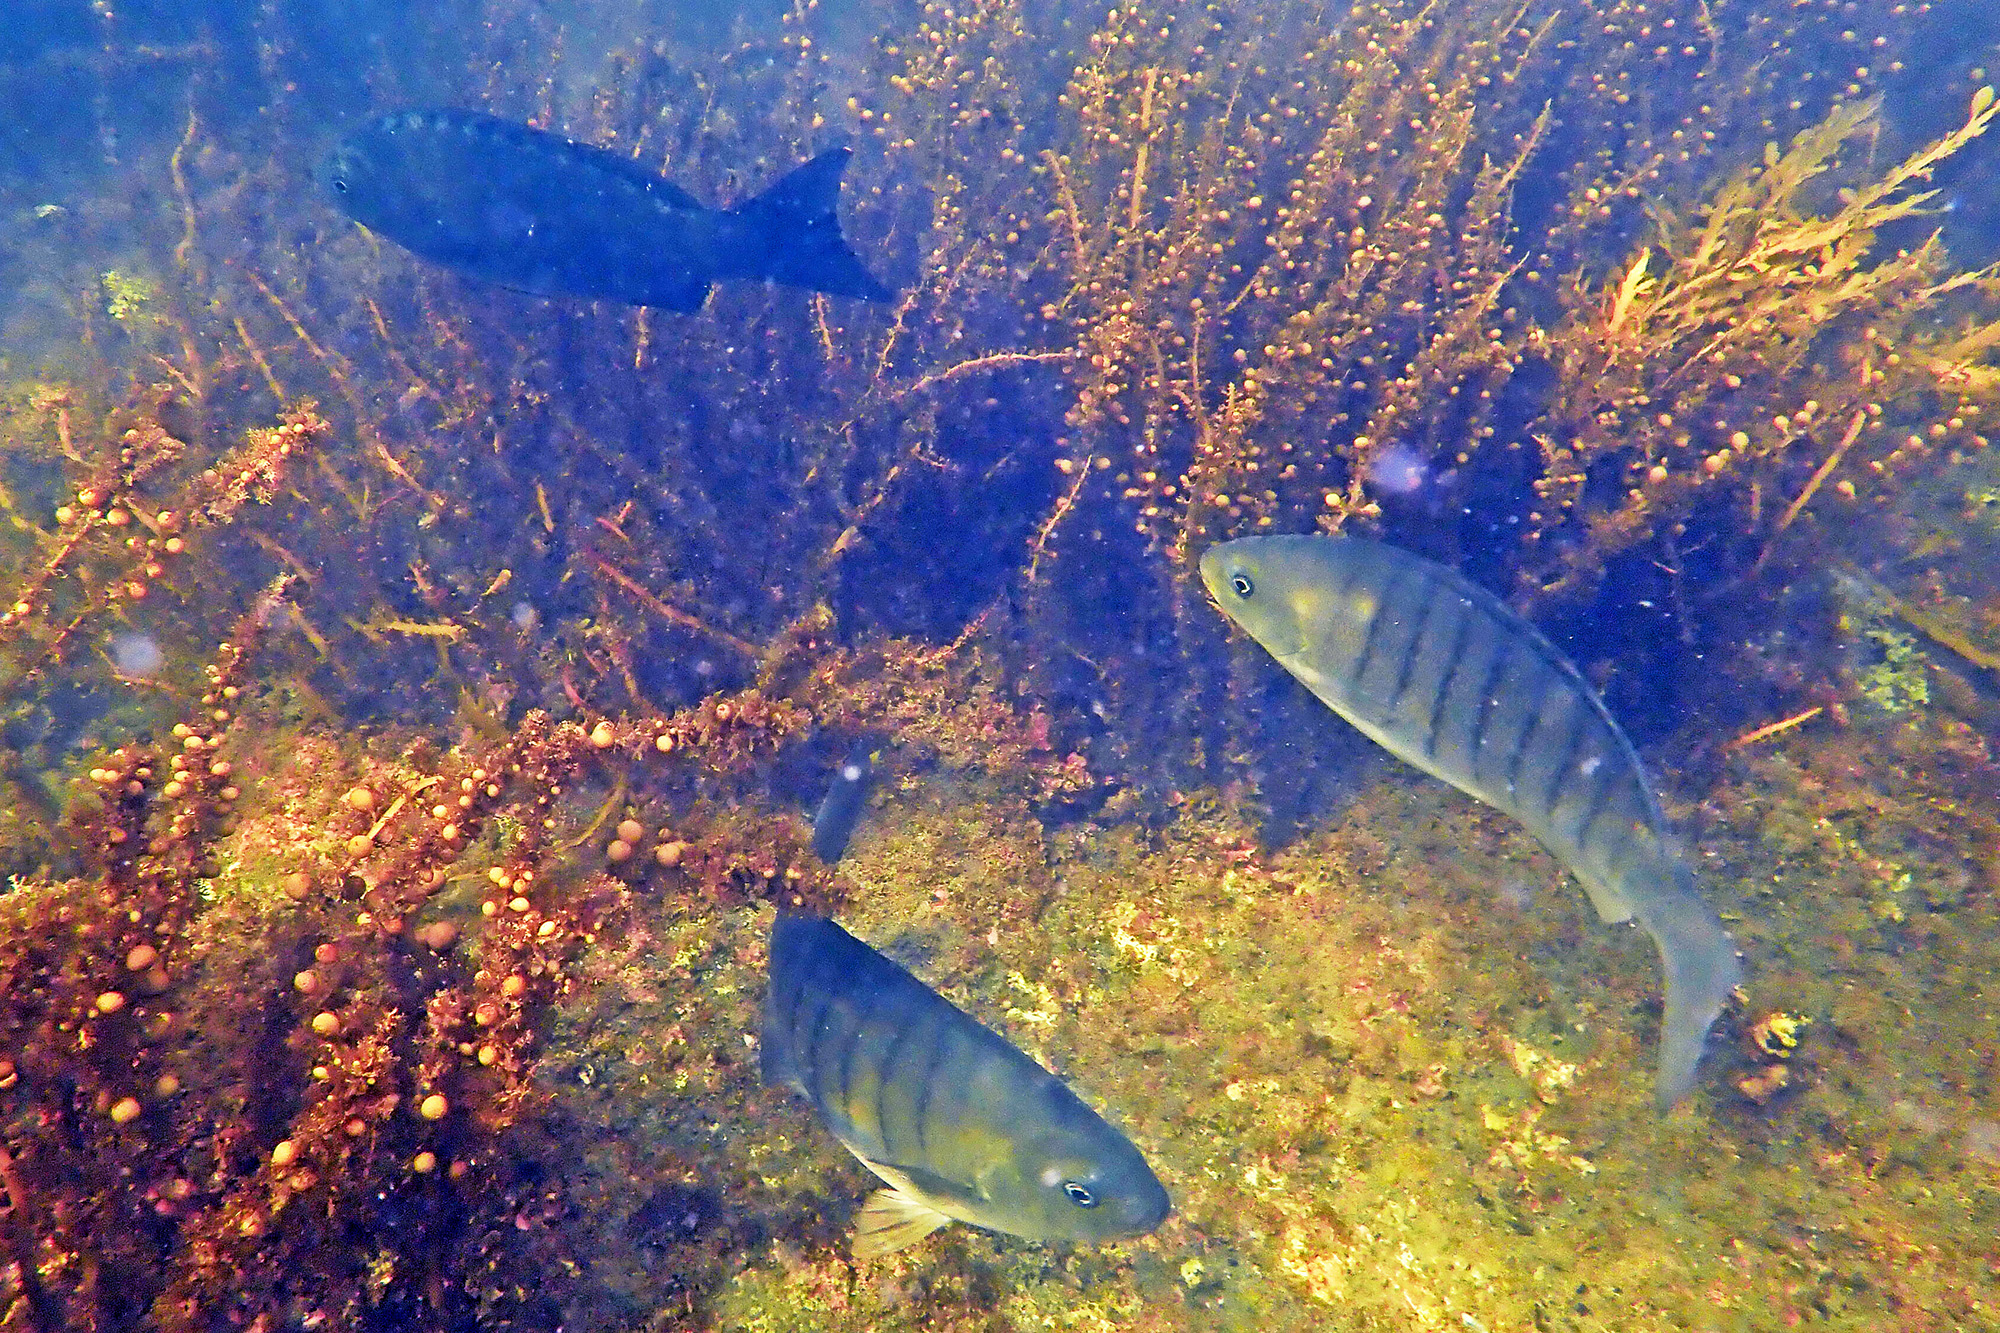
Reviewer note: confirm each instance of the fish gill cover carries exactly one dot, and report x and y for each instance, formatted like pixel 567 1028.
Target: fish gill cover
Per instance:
pixel 409 684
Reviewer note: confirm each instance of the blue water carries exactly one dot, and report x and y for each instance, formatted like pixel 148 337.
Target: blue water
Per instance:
pixel 1391 1068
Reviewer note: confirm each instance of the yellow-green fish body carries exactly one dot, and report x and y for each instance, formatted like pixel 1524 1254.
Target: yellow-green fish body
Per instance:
pixel 961 1125
pixel 1444 675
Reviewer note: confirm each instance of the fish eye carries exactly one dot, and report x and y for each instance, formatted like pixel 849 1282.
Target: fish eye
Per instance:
pixel 340 184
pixel 1241 583
pixel 1079 1195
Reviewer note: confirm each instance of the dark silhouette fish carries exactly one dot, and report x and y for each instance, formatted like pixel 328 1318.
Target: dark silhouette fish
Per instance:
pixel 1444 675
pixel 534 211
pixel 957 1121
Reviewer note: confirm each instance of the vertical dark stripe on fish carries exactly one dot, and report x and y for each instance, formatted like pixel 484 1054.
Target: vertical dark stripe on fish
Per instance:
pixel 1533 714
pixel 802 1029
pixel 884 1072
pixel 1419 637
pixel 832 1040
pixel 1502 650
pixel 794 1005
pixel 847 1062
pixel 1572 740
pixel 804 1033
pixel 1375 620
pixel 828 1032
pixel 1612 854
pixel 934 1057
pixel 812 1071
pixel 1350 576
pixel 1460 631
pixel 1599 802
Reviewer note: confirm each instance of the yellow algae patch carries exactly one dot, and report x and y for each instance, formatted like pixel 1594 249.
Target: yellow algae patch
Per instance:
pixel 1548 1076
pixel 1151 939
pixel 1522 1144
pixel 1387 1261
pixel 1045 1009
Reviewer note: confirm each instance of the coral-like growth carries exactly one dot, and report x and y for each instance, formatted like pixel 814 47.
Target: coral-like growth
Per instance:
pixel 544 619
pixel 193 1133
pixel 112 518
pixel 1765 353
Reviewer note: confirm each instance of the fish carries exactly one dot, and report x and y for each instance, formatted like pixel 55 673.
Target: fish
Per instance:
pixel 840 810
pixel 531 210
pixel 959 1124
pixel 1445 676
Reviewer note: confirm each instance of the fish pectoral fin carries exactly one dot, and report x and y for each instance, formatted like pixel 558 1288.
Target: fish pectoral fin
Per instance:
pixel 923 1183
pixel 892 1219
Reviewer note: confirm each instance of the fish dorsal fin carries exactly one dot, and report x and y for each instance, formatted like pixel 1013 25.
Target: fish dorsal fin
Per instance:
pixel 891 1220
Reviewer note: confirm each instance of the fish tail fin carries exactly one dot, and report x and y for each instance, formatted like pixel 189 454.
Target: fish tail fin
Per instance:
pixel 807 249
pixel 775 1060
pixel 778 1064
pixel 845 800
pixel 1701 967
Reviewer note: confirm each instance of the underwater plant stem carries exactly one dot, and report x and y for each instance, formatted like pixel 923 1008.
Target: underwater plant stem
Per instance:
pixel 176 167
pixel 263 364
pixel 667 612
pixel 960 369
pixel 336 367
pixel 1818 479
pixel 1771 729
pixel 820 327
pixel 619 791
pixel 1139 178
pixel 1061 511
pixel 20 1240
pixel 298 330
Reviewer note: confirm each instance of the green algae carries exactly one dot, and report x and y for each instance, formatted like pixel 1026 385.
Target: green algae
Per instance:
pixel 1382 1093
pixel 129 297
pixel 1393 1072
pixel 1898 683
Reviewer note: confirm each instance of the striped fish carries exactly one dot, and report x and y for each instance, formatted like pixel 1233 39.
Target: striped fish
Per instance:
pixel 1442 674
pixel 960 1124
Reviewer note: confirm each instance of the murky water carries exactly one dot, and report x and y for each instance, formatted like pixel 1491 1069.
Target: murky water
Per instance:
pixel 417 674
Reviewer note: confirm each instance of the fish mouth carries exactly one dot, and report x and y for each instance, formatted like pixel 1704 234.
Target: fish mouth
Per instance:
pixel 1147 1210
pixel 1210 568
pixel 1212 577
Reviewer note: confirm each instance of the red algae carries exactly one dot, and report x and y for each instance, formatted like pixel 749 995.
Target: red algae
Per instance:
pixel 412 690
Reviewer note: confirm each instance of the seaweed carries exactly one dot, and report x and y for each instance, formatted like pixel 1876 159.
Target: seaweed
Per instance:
pixel 411 689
